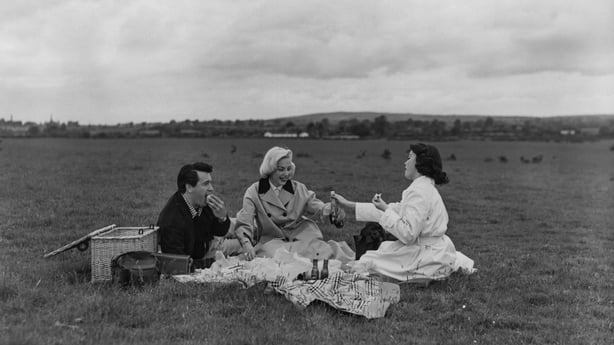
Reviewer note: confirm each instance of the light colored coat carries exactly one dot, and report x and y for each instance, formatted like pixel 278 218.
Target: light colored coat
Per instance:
pixel 265 216
pixel 419 222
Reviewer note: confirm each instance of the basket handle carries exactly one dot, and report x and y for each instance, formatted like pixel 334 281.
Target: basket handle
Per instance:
pixel 150 227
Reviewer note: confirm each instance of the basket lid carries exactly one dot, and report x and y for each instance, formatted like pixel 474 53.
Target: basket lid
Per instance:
pixel 81 243
pixel 126 232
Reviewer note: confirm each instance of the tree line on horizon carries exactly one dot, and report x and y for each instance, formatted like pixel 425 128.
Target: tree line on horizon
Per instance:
pixel 487 127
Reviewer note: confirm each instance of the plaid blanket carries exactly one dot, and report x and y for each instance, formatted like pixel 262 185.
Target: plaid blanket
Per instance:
pixel 344 291
pixel 348 292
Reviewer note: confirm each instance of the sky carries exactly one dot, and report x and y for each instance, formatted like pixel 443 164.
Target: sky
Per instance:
pixel 107 62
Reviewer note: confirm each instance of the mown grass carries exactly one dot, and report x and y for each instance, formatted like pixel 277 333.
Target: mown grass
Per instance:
pixel 540 234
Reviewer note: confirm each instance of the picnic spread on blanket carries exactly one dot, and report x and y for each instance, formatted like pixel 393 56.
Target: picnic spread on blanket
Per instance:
pixel 354 293
pixel 347 287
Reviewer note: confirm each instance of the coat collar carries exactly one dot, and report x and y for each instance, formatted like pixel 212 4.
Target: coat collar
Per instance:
pixel 264 186
pixel 267 194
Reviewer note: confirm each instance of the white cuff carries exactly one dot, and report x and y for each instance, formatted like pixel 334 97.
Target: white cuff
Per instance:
pixel 389 219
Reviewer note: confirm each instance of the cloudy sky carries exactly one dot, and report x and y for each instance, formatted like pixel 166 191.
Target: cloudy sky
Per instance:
pixel 148 60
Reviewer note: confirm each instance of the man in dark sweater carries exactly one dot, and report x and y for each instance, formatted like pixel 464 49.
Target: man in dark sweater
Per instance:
pixel 193 216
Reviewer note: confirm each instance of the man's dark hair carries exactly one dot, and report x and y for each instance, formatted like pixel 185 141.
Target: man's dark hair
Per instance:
pixel 188 174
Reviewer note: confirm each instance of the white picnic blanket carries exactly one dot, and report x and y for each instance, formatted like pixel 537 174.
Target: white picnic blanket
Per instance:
pixel 352 293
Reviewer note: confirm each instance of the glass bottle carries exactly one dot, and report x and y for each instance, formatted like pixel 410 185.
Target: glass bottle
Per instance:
pixel 314 269
pixel 324 273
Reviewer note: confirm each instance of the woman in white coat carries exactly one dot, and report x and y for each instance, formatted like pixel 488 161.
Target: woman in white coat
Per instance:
pixel 275 214
pixel 422 251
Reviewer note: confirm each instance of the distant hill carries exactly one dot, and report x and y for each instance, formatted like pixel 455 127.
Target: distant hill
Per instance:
pixel 336 117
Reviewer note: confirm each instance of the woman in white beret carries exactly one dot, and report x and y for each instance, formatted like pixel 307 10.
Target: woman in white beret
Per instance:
pixel 275 214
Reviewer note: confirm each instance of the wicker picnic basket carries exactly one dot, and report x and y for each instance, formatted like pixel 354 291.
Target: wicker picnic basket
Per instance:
pixel 116 241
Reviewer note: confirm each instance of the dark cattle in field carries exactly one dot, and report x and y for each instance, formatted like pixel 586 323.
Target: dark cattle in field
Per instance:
pixel 451 157
pixel 502 159
pixel 524 160
pixel 537 159
pixel 386 154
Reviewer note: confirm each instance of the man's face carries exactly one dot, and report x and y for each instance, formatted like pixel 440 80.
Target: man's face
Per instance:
pixel 198 193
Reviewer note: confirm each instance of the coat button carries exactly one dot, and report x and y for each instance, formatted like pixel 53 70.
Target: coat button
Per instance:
pixel 284 214
pixel 268 215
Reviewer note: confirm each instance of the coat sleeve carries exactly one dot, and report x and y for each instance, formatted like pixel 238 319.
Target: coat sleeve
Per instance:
pixel 406 220
pixel 367 212
pixel 244 227
pixel 313 205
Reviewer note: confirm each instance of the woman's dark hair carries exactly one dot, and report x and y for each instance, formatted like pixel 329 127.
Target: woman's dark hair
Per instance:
pixel 428 162
pixel 188 174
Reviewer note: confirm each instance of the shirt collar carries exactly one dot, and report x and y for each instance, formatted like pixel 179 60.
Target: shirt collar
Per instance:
pixel 193 211
pixel 275 189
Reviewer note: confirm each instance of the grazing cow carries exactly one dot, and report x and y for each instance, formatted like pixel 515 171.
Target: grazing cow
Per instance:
pixel 233 149
pixel 487 159
pixel 451 157
pixel 524 160
pixel 537 159
pixel 362 154
pixel 386 154
pixel 502 159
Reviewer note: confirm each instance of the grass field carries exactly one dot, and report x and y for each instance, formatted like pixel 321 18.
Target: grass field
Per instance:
pixel 541 235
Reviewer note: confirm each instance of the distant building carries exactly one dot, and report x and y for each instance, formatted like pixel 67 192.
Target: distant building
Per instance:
pixel 112 131
pixel 568 132
pixel 341 137
pixel 149 133
pixel 13 129
pixel 190 133
pixel 280 135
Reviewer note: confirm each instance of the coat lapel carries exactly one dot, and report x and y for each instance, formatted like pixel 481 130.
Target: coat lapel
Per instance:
pixel 286 194
pixel 270 198
pixel 268 195
pixel 285 197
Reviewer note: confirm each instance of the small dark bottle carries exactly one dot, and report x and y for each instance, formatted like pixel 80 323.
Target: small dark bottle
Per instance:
pixel 324 273
pixel 314 269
